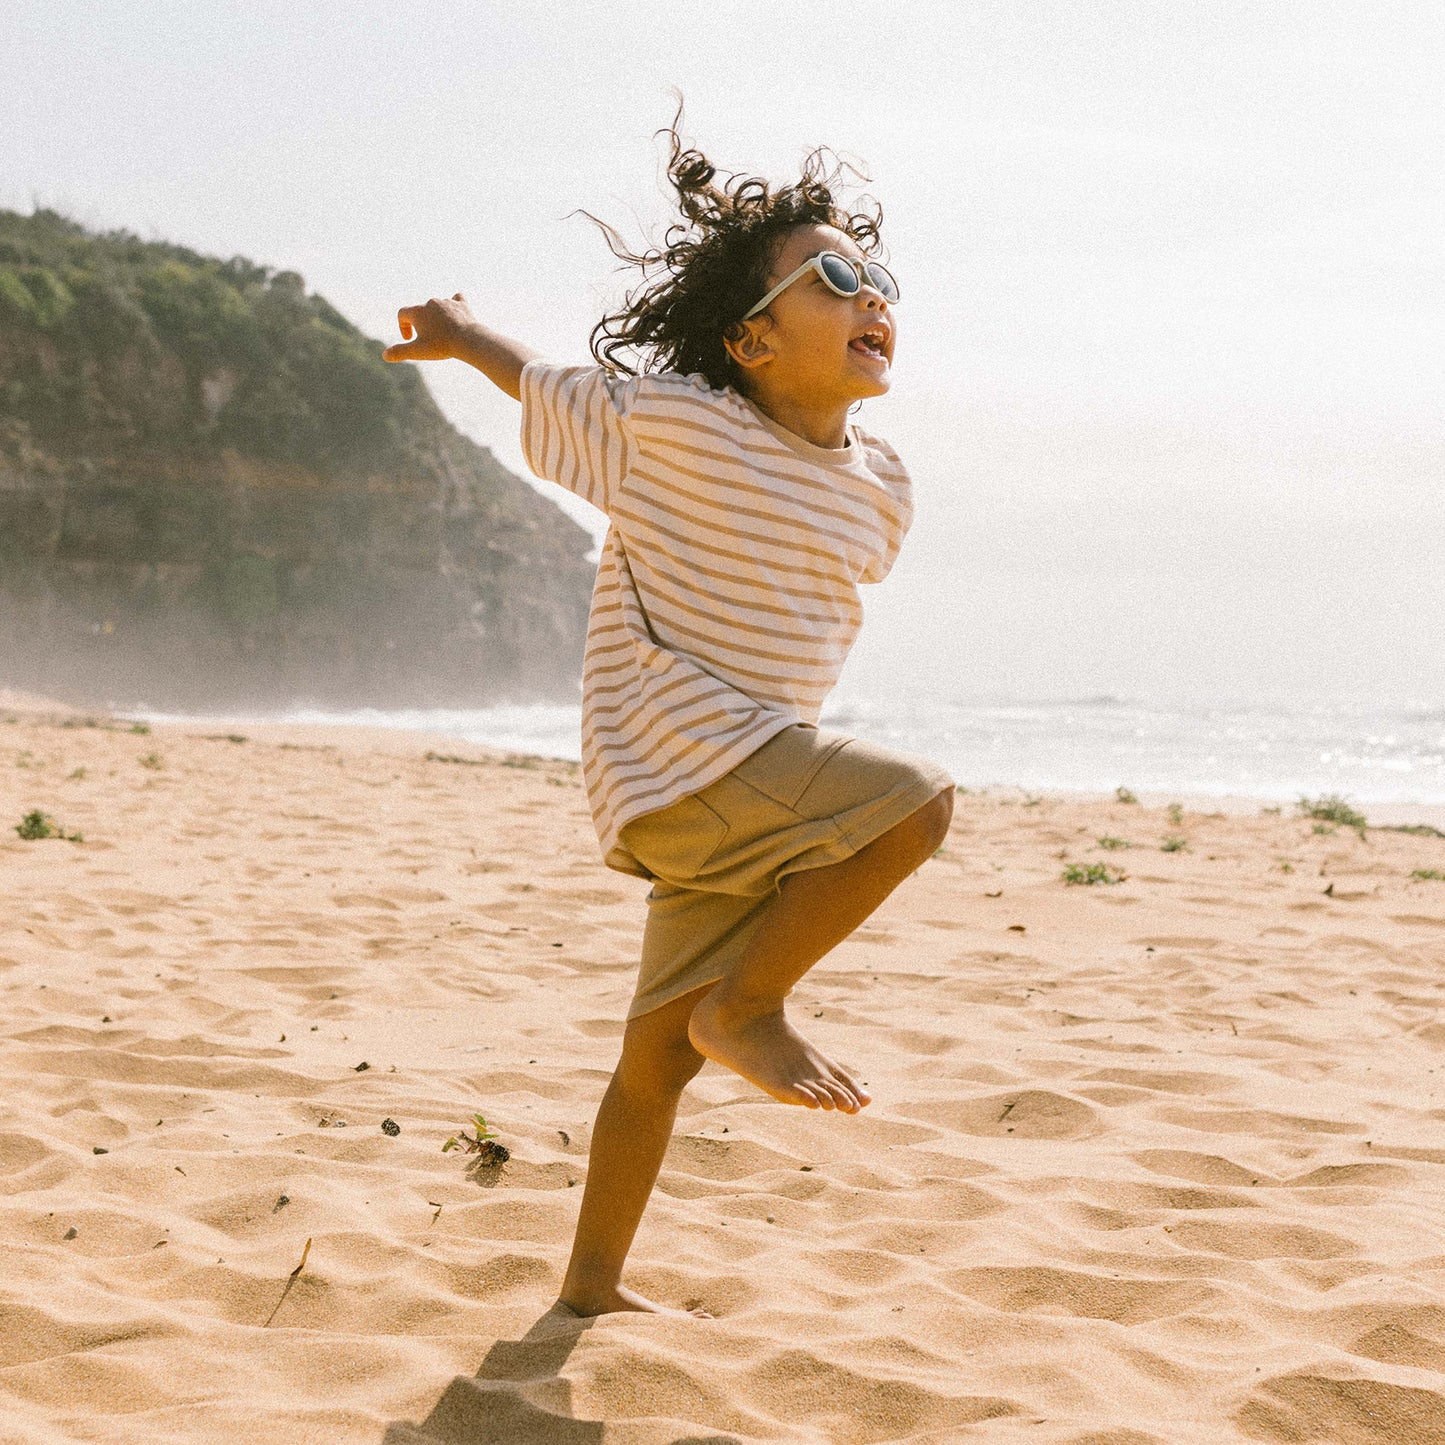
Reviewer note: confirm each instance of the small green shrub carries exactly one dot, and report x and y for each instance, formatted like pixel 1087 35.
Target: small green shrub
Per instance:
pixel 1176 813
pixel 152 761
pixel 1173 845
pixel 1113 844
pixel 36 825
pixel 1332 808
pixel 1124 795
pixel 1090 873
pixel 1323 828
pixel 482 1142
pixel 141 728
pixel 1432 873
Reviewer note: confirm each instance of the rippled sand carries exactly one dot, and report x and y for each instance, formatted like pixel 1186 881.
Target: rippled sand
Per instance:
pixel 1149 1163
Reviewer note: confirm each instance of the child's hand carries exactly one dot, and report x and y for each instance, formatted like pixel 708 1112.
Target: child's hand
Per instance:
pixel 433 332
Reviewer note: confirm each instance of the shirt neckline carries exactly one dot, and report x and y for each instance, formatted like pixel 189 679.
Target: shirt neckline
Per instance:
pixel 844 456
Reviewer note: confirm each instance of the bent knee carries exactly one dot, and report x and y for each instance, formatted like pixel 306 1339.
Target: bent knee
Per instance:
pixel 658 1074
pixel 922 832
pixel 934 818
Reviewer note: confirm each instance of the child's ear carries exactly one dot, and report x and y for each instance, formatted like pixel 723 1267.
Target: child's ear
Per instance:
pixel 747 343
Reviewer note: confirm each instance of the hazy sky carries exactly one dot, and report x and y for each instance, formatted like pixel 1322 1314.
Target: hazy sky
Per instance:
pixel 1169 376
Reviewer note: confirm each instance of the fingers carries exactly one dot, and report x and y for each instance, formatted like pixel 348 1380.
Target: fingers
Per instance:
pixel 427 331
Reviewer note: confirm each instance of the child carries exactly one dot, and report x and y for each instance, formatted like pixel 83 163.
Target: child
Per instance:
pixel 744 510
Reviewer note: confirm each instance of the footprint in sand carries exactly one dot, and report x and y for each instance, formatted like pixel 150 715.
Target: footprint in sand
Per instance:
pixel 1020 1114
pixel 1330 1176
pixel 1167 1083
pixel 1199 1168
pixel 1260 1241
pixel 1040 1289
pixel 1394 1342
pixel 1303 1406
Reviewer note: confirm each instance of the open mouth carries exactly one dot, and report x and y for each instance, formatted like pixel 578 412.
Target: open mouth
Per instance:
pixel 871 343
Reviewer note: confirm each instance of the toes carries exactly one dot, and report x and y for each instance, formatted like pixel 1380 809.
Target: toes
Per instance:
pixel 812 1096
pixel 854 1087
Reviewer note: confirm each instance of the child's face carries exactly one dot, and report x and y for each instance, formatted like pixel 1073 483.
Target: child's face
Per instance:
pixel 808 344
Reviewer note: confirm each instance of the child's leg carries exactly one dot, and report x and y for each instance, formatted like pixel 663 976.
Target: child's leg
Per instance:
pixel 740 1022
pixel 629 1138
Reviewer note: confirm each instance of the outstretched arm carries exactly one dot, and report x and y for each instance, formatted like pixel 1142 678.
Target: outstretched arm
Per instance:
pixel 443 329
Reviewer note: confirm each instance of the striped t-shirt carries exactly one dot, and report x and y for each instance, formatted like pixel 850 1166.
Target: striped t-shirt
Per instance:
pixel 726 597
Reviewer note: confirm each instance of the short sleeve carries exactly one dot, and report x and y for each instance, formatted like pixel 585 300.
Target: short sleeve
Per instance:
pixel 573 429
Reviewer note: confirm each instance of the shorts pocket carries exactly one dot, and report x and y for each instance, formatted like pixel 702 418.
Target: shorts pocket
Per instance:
pixel 787 763
pixel 676 841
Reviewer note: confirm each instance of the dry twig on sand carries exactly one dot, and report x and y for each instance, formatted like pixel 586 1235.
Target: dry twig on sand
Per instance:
pixel 289 1283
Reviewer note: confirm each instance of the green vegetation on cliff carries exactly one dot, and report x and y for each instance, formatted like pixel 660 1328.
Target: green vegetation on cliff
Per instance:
pixel 214 492
pixel 267 369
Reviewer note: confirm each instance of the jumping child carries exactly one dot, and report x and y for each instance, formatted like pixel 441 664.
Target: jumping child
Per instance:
pixel 744 511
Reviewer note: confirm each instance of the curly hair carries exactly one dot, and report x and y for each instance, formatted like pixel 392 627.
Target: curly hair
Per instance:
pixel 714 263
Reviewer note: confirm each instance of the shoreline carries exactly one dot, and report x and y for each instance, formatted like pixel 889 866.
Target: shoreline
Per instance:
pixel 402 741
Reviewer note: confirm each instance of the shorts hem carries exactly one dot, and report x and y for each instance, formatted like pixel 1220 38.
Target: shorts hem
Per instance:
pixel 893 811
pixel 671 995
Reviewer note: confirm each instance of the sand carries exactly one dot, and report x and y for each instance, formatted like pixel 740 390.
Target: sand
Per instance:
pixel 1151 1162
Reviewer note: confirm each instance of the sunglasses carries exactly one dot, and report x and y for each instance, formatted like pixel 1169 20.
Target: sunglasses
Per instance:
pixel 840 274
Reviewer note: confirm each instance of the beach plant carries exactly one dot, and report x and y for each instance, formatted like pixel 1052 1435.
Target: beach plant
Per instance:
pixel 1429 873
pixel 1332 808
pixel 1420 830
pixel 1091 873
pixel 1173 845
pixel 1176 813
pixel 1323 828
pixel 142 729
pixel 152 761
pixel 482 1142
pixel 1124 795
pixel 1285 866
pixel 1114 843
pixel 36 825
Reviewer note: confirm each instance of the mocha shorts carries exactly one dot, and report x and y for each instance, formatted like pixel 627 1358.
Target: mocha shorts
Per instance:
pixel 805 799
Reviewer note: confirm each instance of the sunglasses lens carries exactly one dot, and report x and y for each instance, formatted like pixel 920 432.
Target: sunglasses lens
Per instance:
pixel 839 273
pixel 879 278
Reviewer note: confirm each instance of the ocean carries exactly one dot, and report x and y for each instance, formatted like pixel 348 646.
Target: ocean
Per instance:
pixel 1275 752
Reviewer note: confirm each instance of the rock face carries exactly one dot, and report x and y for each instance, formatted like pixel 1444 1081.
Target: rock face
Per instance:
pixel 214 493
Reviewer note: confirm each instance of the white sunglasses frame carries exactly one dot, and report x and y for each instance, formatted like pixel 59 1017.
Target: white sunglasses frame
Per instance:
pixel 815 263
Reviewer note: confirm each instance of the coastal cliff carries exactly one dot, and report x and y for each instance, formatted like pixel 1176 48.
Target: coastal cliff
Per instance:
pixel 214 493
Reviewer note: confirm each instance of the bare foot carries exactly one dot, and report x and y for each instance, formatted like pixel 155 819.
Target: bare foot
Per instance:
pixel 621 1298
pixel 769 1052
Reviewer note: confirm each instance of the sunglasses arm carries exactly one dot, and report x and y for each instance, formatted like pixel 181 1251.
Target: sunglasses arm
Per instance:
pixel 782 286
